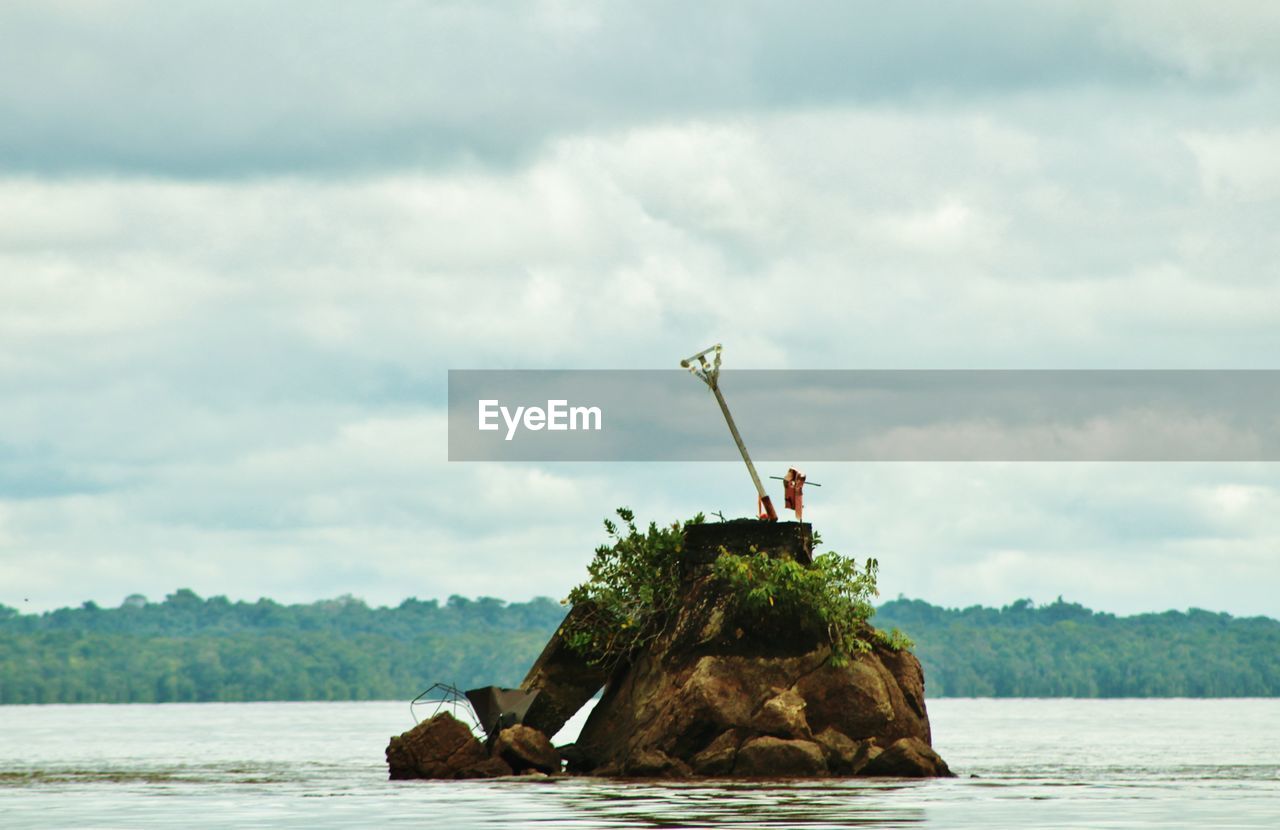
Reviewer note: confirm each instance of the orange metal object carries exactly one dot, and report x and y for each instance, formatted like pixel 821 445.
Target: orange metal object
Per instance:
pixel 793 491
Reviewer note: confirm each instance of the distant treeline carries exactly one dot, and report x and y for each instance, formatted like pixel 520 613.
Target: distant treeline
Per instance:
pixel 191 649
pixel 1066 650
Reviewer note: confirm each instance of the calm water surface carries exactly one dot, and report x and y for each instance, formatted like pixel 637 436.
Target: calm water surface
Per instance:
pixel 1026 763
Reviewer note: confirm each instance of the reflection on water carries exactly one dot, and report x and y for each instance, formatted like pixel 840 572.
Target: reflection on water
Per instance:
pixel 1026 763
pixel 741 804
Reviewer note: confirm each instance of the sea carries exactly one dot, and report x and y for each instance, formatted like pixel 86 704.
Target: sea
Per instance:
pixel 1020 763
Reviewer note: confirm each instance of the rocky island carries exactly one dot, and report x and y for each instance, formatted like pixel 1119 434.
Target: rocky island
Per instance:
pixel 723 649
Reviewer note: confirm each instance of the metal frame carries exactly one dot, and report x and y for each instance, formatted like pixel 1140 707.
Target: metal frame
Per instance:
pixel 709 373
pixel 450 696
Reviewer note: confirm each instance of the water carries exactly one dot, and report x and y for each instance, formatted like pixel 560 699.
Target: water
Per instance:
pixel 1039 763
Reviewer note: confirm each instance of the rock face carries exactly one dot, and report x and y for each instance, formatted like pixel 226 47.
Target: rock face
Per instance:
pixel 726 697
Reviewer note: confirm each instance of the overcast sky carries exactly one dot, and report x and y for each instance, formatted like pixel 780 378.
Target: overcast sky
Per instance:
pixel 241 245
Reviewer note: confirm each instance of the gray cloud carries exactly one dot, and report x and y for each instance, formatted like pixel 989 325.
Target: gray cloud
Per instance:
pixel 209 89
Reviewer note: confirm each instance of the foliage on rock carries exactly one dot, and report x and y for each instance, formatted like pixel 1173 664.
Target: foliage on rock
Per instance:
pixel 894 639
pixel 633 589
pixel 833 594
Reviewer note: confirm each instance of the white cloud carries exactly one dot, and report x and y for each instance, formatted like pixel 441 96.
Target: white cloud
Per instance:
pixel 1241 165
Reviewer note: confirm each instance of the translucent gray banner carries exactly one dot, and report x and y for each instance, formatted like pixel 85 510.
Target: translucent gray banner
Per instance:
pixel 861 415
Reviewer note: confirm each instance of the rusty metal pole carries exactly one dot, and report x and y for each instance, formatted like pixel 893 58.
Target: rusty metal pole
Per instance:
pixel 710 375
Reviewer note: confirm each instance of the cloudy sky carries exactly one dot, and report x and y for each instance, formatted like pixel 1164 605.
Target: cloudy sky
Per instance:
pixel 241 245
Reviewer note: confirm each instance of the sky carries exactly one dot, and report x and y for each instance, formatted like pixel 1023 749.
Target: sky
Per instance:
pixel 242 245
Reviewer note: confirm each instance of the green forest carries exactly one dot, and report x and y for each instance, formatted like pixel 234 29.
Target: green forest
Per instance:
pixel 191 649
pixel 1065 650
pixel 187 648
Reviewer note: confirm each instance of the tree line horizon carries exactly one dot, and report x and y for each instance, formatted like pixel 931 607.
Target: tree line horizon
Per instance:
pixel 180 594
pixel 192 649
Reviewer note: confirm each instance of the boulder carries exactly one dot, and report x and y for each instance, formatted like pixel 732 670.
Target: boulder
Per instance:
pixel 909 758
pixel 718 758
pixel 492 767
pixel 767 756
pixel 442 747
pixel 846 756
pixel 654 763
pixel 864 698
pixel 524 748
pixel 783 716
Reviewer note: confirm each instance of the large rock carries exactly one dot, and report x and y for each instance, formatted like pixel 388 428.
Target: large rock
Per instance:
pixel 682 702
pixel 719 756
pixel 866 698
pixel 712 687
pixel 442 747
pixel 772 757
pixel 846 756
pixel 524 748
pixel 654 763
pixel 909 758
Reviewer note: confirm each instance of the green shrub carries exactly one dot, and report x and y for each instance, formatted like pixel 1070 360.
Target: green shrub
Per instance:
pixel 832 595
pixel 633 589
pixel 894 639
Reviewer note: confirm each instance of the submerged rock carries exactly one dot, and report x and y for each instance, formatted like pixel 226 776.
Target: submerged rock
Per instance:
pixel 442 747
pixel 780 757
pixel 909 758
pixel 525 748
pixel 654 763
pixel 720 755
pixel 846 756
